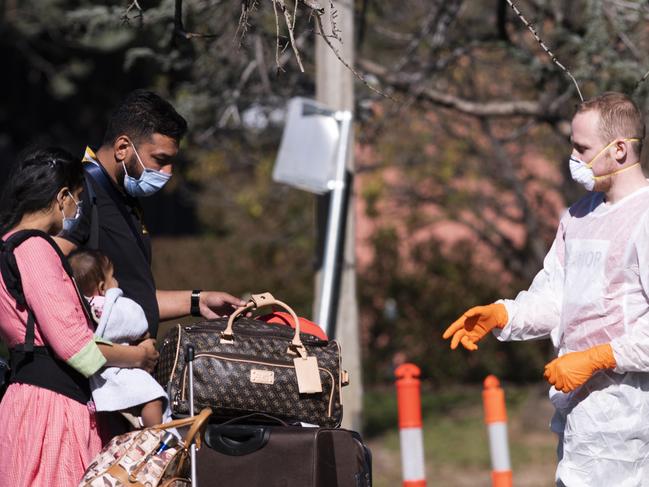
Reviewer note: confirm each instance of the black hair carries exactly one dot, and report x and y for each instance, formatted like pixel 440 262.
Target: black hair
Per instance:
pixel 34 182
pixel 89 267
pixel 142 114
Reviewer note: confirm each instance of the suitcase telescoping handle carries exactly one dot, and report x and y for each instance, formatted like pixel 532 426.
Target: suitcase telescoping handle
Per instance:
pixel 257 301
pixel 189 357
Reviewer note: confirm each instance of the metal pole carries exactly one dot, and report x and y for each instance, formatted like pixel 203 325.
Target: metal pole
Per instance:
pixel 335 89
pixel 334 230
pixel 189 356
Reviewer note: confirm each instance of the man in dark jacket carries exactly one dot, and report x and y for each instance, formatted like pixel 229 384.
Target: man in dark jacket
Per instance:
pixel 136 160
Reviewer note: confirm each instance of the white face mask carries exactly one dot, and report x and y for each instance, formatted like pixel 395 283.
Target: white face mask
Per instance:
pixel 149 182
pixel 583 174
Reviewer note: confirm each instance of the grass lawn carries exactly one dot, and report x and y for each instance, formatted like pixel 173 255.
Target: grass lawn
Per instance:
pixel 455 437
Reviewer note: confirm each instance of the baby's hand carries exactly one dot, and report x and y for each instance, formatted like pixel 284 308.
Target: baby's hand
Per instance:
pixel 150 355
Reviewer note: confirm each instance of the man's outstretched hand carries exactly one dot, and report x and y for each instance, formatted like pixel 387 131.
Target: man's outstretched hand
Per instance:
pixel 474 324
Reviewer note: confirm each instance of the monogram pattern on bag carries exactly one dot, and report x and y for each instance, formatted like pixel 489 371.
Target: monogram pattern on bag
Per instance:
pixel 166 360
pixel 134 452
pixel 222 372
pixel 230 382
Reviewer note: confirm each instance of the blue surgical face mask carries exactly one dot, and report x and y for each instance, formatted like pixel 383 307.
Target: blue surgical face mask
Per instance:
pixel 70 223
pixel 149 182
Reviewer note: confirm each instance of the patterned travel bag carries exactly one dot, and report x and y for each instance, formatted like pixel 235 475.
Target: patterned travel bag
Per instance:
pixel 243 365
pixel 142 458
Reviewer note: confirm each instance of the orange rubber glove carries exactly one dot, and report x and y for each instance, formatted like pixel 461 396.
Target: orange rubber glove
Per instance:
pixel 474 324
pixel 571 370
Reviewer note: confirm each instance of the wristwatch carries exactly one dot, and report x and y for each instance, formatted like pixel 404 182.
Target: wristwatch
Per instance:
pixel 195 309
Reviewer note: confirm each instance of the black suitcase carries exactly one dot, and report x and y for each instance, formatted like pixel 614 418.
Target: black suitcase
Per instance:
pixel 235 455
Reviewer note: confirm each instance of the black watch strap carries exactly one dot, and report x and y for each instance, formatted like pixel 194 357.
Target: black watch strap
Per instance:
pixel 195 309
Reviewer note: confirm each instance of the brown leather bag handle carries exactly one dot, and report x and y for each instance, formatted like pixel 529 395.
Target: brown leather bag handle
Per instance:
pixel 260 300
pixel 197 423
pixel 193 435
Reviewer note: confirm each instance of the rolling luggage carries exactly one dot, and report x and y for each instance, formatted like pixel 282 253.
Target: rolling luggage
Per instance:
pixel 243 365
pixel 244 455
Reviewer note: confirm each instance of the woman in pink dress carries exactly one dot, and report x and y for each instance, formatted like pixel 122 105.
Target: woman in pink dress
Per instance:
pixel 48 429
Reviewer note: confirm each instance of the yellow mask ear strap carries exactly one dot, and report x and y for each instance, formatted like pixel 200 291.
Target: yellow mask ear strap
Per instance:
pixel 617 172
pixel 590 164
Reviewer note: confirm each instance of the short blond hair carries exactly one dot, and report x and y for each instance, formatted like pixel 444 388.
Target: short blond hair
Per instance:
pixel 619 116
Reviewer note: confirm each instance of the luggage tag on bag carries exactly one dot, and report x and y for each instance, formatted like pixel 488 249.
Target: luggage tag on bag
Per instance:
pixel 308 375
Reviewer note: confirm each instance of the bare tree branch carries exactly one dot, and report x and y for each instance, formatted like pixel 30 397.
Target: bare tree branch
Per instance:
pixel 179 29
pixel 470 107
pixel 633 49
pixel 359 76
pixel 276 36
pixel 262 67
pixel 290 25
pixel 133 5
pixel 508 171
pixel 247 7
pixel 439 18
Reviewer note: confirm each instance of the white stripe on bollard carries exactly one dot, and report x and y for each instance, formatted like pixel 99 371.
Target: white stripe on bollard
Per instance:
pixel 412 453
pixel 499 447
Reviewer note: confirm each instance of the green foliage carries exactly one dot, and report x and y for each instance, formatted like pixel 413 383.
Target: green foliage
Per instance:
pixel 380 409
pixel 69 62
pixel 430 289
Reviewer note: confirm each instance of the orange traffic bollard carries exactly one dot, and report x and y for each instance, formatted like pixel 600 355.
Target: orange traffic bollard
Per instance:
pixel 495 416
pixel 410 433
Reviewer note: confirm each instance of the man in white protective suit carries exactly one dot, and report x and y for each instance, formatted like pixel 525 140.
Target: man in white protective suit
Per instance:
pixel 592 299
